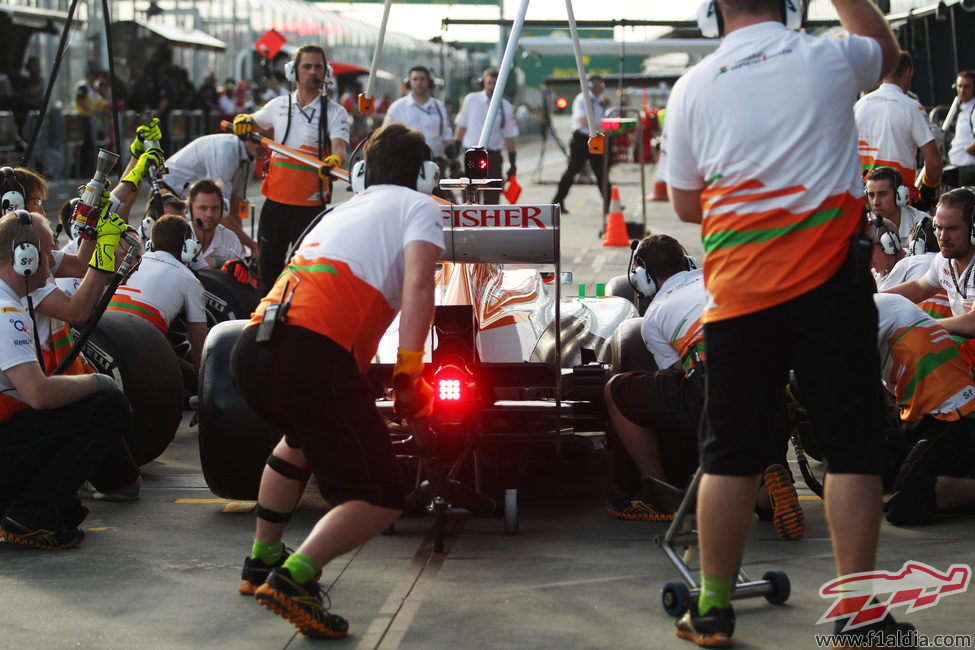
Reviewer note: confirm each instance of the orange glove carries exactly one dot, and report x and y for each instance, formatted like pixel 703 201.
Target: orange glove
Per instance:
pixel 413 400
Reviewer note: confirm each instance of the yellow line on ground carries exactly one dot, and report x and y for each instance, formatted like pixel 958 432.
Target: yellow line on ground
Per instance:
pixel 810 498
pixel 200 501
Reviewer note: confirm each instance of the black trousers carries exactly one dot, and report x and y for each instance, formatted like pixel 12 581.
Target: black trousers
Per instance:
pixel 45 456
pixel 578 155
pixel 280 226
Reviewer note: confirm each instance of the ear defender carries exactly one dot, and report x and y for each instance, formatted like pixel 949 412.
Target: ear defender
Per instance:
pixel 25 258
pixel 191 248
pixel 428 177
pixel 643 281
pixel 357 177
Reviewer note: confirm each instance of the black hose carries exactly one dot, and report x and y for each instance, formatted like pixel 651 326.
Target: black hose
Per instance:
pixel 50 85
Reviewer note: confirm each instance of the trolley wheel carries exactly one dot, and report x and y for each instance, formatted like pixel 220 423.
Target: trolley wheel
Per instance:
pixel 676 598
pixel 510 511
pixel 781 588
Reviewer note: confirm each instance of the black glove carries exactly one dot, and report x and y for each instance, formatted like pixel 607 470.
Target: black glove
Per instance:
pixel 512 157
pixel 451 149
pixel 929 196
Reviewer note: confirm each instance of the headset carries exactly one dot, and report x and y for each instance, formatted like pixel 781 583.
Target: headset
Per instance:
pixel 426 179
pixel 920 237
pixel 711 22
pixel 291 73
pixel 888 239
pixel 431 82
pixel 902 193
pixel 191 248
pixel 25 257
pixel 642 279
pixel 13 192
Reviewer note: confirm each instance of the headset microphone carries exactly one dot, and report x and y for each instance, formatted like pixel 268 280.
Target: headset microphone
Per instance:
pixel 199 222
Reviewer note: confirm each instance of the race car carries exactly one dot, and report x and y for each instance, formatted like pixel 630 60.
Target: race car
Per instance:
pixel 515 365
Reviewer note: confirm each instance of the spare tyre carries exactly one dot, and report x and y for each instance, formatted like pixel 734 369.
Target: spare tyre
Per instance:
pixel 137 355
pixel 630 353
pixel 225 298
pixel 234 441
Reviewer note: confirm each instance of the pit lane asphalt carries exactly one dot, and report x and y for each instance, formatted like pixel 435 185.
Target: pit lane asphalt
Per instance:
pixel 163 572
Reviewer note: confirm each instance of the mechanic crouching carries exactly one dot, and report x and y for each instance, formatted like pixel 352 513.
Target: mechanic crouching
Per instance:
pixel 301 365
pixel 55 432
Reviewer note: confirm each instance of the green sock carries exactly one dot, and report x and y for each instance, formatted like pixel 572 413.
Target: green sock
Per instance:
pixel 267 552
pixel 715 592
pixel 301 567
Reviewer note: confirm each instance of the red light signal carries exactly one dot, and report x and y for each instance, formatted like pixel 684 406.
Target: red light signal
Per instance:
pixel 476 163
pixel 561 103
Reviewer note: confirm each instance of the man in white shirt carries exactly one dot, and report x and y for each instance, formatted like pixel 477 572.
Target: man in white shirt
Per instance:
pixel 579 146
pixel 217 243
pixel 420 111
pixel 892 127
pixel 220 156
pixel 962 151
pixel 887 197
pixel 470 123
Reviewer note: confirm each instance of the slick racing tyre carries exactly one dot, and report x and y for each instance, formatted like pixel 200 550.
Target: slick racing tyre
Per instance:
pixel 225 298
pixel 630 353
pixel 620 286
pixel 234 441
pixel 137 355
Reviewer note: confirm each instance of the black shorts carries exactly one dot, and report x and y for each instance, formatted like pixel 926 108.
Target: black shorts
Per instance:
pixel 664 401
pixel 308 388
pixel 945 449
pixel 828 336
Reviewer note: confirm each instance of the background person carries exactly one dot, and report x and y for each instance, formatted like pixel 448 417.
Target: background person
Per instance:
pixel 962 150
pixel 372 257
pixel 470 122
pixel 579 145
pixel 295 193
pixel 769 309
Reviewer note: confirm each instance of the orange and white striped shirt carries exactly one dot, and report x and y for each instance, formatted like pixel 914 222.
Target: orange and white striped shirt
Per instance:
pixel 764 128
pixel 672 325
pixel 920 363
pixel 345 281
pixel 159 290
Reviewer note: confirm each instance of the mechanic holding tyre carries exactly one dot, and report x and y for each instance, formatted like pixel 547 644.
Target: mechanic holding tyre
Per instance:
pixel 56 432
pixel 779 200
pixel 301 363
pixel 296 193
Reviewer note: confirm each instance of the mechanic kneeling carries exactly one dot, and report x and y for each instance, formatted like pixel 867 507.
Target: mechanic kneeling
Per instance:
pixel 301 365
pixel 55 432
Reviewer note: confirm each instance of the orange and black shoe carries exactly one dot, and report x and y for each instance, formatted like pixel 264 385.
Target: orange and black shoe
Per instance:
pixel 255 573
pixel 787 515
pixel 301 604
pixel 710 630
pixel 42 538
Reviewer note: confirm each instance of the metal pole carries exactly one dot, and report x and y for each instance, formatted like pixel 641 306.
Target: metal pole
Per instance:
pixel 366 100
pixel 505 68
pixel 574 31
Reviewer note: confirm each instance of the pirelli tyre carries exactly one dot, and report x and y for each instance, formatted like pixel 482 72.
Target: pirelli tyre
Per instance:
pixel 234 442
pixel 137 355
pixel 630 353
pixel 226 299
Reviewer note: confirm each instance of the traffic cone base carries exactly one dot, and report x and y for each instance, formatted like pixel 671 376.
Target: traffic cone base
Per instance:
pixel 615 226
pixel 660 191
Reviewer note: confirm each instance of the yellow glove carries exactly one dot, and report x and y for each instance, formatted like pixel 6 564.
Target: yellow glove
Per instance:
pixel 409 362
pixel 110 229
pixel 331 162
pixel 416 400
pixel 243 125
pixel 151 158
pixel 143 133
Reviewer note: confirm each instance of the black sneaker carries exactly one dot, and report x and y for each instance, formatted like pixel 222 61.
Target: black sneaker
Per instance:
pixel 300 604
pixel 887 633
pixel 256 571
pixel 712 629
pixel 48 540
pixel 656 501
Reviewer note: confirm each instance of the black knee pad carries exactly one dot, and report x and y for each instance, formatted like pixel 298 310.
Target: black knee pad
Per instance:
pixel 288 470
pixel 272 516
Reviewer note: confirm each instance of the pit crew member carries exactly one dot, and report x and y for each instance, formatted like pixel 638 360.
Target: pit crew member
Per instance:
pixel 579 147
pixel 962 150
pixel 305 353
pixel 82 417
pixel 306 120
pixel 217 243
pixel 669 402
pixel 892 127
pixel 887 198
pixel 783 254
pixel 470 122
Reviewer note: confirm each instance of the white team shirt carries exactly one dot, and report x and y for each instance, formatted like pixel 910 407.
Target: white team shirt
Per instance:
pixel 909 268
pixel 891 127
pixel 220 156
pixel 964 136
pixel 909 216
pixel 225 245
pixel 16 338
pixel 164 283
pixel 960 288
pixel 673 318
pixel 430 119
pixel 304 121
pixel 579 120
pixel 473 115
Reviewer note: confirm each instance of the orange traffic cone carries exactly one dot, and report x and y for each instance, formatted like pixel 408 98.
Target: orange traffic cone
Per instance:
pixel 659 191
pixel 615 226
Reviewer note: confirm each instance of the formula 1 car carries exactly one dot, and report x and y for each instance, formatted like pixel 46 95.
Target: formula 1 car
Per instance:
pixel 512 362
